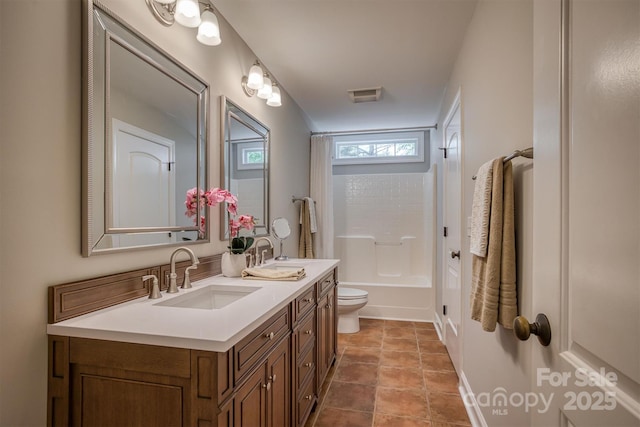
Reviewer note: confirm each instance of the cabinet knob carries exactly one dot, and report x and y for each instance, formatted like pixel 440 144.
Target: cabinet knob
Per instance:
pixel 327 306
pixel 455 254
pixel 267 386
pixel 269 335
pixel 272 378
pixel 308 332
pixel 307 300
pixel 308 365
pixel 309 396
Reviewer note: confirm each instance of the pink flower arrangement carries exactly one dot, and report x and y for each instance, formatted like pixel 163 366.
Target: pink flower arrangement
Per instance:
pixel 196 200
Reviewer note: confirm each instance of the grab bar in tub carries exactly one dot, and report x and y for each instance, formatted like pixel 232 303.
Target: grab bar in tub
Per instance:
pixel 388 244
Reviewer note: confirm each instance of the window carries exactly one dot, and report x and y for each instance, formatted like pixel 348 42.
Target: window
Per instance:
pixel 396 147
pixel 250 155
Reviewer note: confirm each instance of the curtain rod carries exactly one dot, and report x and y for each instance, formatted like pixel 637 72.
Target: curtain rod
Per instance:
pixel 363 131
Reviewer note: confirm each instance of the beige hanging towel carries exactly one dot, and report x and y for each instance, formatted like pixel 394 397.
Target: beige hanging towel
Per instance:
pixel 480 210
pixel 305 245
pixel 493 277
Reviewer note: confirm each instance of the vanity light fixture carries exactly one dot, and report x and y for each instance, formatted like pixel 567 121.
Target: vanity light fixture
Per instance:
pixel 259 83
pixel 187 13
pixel 209 30
pixel 275 100
pixel 267 89
pixel 255 80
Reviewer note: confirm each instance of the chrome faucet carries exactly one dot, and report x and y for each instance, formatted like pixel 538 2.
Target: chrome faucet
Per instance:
pixel 261 257
pixel 186 283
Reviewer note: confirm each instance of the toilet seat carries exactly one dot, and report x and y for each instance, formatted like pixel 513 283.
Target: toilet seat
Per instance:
pixel 350 293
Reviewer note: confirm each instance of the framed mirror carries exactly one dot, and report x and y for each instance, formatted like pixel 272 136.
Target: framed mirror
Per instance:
pixel 145 140
pixel 245 166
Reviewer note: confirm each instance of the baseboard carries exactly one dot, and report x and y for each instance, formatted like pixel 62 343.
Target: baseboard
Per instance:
pixel 437 322
pixel 470 402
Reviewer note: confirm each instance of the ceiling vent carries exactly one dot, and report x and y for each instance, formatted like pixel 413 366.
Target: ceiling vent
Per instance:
pixel 371 94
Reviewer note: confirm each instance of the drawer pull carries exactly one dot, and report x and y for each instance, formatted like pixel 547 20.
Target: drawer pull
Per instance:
pixel 309 396
pixel 308 332
pixel 267 386
pixel 272 378
pixel 270 335
pixel 307 300
pixel 308 365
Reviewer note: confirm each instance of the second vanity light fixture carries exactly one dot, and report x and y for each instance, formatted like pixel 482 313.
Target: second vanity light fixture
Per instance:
pixel 187 13
pixel 259 83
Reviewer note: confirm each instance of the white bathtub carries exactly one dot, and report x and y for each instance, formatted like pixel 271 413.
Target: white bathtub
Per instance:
pixel 396 273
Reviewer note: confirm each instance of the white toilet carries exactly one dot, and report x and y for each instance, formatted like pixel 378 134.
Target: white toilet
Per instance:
pixel 350 301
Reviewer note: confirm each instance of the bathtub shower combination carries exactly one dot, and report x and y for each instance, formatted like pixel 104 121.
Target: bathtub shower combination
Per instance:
pixel 384 237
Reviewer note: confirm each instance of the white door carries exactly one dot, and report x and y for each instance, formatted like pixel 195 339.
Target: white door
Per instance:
pixel 451 295
pixel 586 254
pixel 143 182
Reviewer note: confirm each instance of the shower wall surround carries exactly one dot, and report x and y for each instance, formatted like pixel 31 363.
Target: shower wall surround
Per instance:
pixel 384 239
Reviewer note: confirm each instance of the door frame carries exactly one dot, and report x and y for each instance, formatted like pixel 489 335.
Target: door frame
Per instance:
pixel 456 106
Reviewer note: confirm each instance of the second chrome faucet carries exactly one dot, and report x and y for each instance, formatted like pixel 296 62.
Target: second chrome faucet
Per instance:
pixel 260 256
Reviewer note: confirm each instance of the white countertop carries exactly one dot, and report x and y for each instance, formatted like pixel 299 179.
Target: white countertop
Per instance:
pixel 141 321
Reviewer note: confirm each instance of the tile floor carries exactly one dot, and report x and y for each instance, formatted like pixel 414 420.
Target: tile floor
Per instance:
pixel 390 374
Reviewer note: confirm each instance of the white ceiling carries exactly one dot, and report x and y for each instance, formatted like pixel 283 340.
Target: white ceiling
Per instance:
pixel 319 49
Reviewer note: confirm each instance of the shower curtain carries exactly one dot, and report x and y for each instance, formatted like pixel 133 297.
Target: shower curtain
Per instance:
pixel 321 190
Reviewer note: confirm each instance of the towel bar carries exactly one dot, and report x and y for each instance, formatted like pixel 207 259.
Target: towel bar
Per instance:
pixel 527 152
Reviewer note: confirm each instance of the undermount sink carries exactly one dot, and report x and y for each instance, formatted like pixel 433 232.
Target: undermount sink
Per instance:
pixel 211 297
pixel 282 267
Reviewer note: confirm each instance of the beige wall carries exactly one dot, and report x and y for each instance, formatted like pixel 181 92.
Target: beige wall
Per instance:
pixel 40 181
pixel 494 72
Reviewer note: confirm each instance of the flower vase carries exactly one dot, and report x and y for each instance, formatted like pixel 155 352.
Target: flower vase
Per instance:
pixel 233 264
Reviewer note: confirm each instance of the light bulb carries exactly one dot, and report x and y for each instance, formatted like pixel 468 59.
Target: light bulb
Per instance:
pixel 266 90
pixel 209 30
pixel 256 77
pixel 188 13
pixel 275 100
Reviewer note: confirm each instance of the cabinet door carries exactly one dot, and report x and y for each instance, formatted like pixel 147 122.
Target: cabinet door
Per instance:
pixel 321 369
pixel 225 417
pixel 250 403
pixel 279 392
pixel 331 327
pixel 326 335
pixel 102 399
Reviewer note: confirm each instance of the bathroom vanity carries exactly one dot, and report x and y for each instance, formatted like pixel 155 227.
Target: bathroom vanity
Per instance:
pixel 258 361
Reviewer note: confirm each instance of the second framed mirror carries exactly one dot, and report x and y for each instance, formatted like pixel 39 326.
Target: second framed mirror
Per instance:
pixel 245 166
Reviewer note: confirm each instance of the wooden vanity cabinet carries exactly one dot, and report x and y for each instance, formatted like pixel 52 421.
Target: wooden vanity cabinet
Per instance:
pixel 270 378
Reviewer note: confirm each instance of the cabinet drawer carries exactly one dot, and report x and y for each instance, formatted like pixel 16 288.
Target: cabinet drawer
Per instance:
pixel 306 332
pixel 306 399
pixel 326 283
pixel 306 367
pixel 255 345
pixel 305 302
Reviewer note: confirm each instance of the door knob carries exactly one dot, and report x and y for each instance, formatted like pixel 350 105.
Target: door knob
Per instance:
pixel 523 329
pixel 455 254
